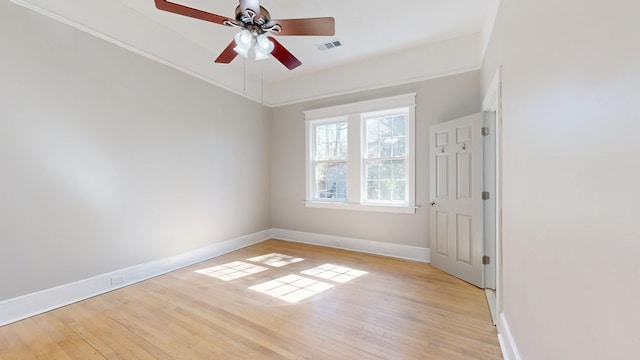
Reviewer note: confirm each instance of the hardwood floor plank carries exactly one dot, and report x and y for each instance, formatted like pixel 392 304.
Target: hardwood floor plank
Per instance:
pixel 395 309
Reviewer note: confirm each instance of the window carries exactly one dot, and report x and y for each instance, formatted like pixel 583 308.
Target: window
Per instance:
pixel 330 161
pixel 385 158
pixel 361 156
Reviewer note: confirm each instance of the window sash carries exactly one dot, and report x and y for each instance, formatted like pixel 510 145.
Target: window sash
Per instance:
pixel 334 189
pixel 331 146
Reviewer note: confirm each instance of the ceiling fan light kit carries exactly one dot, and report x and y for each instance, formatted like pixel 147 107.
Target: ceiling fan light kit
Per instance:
pixel 263 47
pixel 255 22
pixel 243 41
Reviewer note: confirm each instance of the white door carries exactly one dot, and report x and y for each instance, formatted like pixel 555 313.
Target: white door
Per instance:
pixel 455 224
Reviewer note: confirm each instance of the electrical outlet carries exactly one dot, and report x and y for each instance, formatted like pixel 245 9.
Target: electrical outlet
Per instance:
pixel 117 280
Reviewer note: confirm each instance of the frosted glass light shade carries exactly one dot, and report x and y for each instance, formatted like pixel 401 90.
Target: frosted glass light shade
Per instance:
pixel 243 43
pixel 263 47
pixel 264 43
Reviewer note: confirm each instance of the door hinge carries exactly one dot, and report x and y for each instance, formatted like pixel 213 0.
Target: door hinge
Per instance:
pixel 485 131
pixel 485 195
pixel 486 260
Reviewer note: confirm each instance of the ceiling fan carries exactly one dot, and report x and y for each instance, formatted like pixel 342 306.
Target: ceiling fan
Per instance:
pixel 255 22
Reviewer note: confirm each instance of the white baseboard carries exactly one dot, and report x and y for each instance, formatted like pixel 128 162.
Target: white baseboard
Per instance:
pixel 507 343
pixel 366 246
pixel 22 307
pixel 491 300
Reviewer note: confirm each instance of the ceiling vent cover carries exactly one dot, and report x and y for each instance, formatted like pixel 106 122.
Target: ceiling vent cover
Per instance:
pixel 330 45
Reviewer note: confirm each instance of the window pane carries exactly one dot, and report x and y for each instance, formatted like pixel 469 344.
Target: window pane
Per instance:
pixel 372 129
pixel 373 190
pixel 331 141
pixel 399 147
pixel 398 126
pixel 385 190
pixel 371 139
pixel 321 151
pixel 398 171
pixel 332 150
pixel 373 149
pixel 321 135
pixel 342 134
pixel 398 190
pixel 385 127
pixel 385 148
pixel 386 167
pixel 331 180
pixel 331 133
pixel 373 172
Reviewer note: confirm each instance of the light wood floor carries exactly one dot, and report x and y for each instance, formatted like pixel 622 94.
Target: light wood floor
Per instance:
pixel 396 310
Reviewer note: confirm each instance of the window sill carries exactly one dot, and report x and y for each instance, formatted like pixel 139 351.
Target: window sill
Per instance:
pixel 398 209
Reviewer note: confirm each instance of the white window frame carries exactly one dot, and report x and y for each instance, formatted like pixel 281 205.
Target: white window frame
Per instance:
pixel 355 114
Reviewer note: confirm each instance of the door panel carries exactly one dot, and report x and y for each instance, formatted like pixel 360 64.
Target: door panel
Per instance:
pixel 442 138
pixel 464 240
pixel 442 176
pixel 464 134
pixel 442 233
pixel 456 218
pixel 464 176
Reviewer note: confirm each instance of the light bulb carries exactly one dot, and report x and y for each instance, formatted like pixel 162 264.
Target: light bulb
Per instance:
pixel 264 43
pixel 244 37
pixel 243 43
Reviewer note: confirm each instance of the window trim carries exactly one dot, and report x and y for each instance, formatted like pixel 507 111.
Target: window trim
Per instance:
pixel 354 114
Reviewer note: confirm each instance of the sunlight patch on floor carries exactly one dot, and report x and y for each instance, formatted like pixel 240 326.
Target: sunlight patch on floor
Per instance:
pixel 292 288
pixel 335 273
pixel 275 259
pixel 233 270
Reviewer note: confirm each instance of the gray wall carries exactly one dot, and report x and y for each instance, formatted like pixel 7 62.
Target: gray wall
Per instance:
pixel 437 101
pixel 109 160
pixel 571 173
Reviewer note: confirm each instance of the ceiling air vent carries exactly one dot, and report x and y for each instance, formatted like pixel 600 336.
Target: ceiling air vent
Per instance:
pixel 330 45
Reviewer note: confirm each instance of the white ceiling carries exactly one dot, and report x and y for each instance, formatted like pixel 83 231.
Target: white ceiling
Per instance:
pixel 367 29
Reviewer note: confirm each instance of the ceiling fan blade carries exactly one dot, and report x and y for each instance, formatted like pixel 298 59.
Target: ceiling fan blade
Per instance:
pixel 228 54
pixel 284 56
pixel 191 12
pixel 325 26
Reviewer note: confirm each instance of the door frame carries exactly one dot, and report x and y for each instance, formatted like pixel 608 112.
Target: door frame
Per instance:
pixel 493 102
